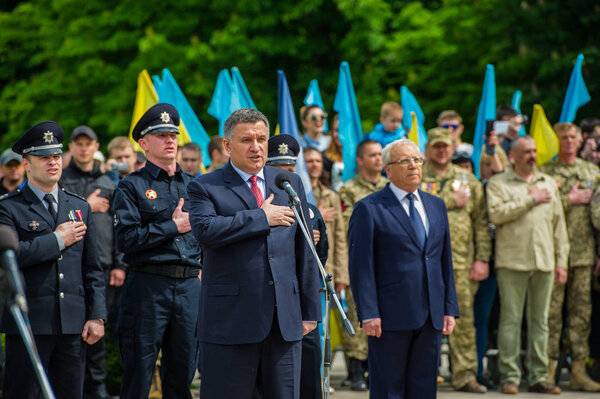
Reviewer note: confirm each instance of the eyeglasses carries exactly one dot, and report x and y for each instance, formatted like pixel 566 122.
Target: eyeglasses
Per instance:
pixel 450 125
pixel 407 161
pixel 315 117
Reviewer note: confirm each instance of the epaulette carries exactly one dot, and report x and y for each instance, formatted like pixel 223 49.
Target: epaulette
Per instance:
pixel 10 194
pixel 73 194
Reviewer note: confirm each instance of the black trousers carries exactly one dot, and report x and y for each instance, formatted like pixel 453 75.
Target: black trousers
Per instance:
pixel 63 357
pixel 270 367
pixel 310 374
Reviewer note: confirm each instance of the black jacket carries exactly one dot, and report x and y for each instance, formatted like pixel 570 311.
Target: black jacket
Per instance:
pixel 84 183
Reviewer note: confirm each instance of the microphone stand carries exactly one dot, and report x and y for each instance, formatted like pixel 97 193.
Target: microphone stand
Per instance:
pixel 329 294
pixel 18 309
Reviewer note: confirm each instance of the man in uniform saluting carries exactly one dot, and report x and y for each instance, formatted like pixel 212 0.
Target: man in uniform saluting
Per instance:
pixel 160 297
pixel 64 281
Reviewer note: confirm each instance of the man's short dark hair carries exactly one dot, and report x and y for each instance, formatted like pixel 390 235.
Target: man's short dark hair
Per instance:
pixel 192 147
pixel 504 111
pixel 362 147
pixel 243 115
pixel 588 125
pixel 215 144
pixel 308 150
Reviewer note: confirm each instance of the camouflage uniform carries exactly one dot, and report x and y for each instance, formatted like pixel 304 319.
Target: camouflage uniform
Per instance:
pixel 352 191
pixel 470 240
pixel 582 258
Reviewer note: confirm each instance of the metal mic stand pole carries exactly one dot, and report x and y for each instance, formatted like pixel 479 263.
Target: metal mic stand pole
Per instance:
pixel 18 309
pixel 329 294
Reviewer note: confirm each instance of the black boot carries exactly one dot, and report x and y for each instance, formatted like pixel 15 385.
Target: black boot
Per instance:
pixel 358 376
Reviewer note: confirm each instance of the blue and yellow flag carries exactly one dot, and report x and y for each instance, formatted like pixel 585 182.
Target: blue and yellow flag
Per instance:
pixel 145 97
pixel 516 104
pixel 409 105
pixel 485 112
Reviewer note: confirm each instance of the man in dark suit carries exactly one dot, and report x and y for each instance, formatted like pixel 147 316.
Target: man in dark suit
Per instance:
pixel 260 288
pixel 64 281
pixel 402 279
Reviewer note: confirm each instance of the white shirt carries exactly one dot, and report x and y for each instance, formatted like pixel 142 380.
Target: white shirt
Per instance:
pixel 260 181
pixel 401 195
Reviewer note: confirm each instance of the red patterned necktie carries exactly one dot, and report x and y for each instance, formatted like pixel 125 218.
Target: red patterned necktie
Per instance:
pixel 256 190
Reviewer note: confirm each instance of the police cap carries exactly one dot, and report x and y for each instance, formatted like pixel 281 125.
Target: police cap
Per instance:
pixel 160 118
pixel 45 138
pixel 283 150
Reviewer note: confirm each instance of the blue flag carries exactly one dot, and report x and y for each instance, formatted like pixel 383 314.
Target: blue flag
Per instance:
pixel 485 112
pixel 286 118
pixel 313 97
pixel 225 99
pixel 242 90
pixel 168 91
pixel 410 104
pixel 516 105
pixel 577 93
pixel 350 129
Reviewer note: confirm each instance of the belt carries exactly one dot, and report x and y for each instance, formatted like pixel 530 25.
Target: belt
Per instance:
pixel 168 270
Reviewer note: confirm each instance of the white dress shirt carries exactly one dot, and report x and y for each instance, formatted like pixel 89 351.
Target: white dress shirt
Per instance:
pixel 401 195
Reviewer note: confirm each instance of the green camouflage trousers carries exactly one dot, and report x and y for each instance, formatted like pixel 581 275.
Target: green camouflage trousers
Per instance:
pixel 356 346
pixel 463 352
pixel 579 311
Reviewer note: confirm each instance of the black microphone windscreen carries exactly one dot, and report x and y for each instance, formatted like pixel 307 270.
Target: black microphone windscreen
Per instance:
pixel 280 178
pixel 8 238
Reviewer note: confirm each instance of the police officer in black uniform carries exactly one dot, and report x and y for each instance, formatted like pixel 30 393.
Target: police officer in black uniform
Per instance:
pixel 160 297
pixel 283 153
pixel 64 281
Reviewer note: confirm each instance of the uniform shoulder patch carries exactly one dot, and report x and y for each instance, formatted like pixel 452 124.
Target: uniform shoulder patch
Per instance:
pixel 73 194
pixel 11 194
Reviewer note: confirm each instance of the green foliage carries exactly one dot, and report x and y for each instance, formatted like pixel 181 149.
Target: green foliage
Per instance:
pixel 77 61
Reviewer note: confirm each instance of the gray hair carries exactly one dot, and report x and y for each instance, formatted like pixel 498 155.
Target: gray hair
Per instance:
pixel 243 115
pixel 517 141
pixel 386 153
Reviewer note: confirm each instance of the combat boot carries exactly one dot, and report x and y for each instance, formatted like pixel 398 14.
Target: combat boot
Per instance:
pixel 358 376
pixel 580 381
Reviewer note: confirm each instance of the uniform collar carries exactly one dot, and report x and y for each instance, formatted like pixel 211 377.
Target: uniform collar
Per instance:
pixel 41 193
pixel 512 175
pixel 155 171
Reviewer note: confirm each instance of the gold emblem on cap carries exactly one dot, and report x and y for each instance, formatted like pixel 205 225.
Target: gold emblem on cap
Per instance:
pixel 48 137
pixel 283 149
pixel 165 117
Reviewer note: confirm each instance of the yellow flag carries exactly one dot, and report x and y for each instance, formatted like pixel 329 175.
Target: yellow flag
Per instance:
pixel 413 135
pixel 145 97
pixel 544 136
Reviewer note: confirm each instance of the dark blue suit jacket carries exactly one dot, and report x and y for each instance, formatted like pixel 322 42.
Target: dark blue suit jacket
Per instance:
pixel 391 275
pixel 43 264
pixel 247 265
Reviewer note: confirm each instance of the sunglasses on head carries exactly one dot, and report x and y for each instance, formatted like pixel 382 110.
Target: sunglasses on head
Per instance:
pixel 321 117
pixel 450 125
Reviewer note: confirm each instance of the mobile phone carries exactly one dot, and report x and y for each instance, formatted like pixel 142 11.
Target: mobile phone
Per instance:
pixel 121 166
pixel 501 127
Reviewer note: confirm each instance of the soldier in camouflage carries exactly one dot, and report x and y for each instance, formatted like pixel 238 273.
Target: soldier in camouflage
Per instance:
pixel 576 180
pixel 368 181
pixel 471 246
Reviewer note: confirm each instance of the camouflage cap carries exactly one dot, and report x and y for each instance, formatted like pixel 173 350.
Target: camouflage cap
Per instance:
pixel 439 135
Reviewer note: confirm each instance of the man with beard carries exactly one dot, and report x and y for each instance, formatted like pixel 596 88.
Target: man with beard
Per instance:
pixel 532 251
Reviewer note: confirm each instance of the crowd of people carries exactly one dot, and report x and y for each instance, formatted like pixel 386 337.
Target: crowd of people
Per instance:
pixel 151 228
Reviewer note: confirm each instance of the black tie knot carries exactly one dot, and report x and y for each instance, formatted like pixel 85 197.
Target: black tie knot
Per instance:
pixel 49 198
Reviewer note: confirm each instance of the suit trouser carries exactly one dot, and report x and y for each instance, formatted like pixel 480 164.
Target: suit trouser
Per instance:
pixel 237 371
pixel 158 312
pixel 579 312
pixel 516 288
pixel 463 350
pixel 404 364
pixel 63 357
pixel 310 372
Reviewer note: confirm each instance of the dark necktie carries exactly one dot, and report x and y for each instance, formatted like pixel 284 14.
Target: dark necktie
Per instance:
pixel 415 219
pixel 49 198
pixel 256 190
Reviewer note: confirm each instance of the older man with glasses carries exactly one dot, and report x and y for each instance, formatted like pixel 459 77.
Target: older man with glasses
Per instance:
pixel 401 277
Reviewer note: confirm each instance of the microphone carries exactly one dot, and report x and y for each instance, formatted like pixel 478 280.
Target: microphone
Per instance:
pixel 9 244
pixel 282 181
